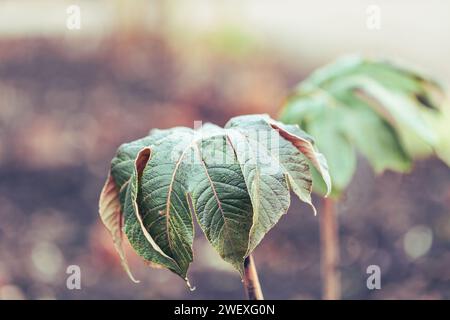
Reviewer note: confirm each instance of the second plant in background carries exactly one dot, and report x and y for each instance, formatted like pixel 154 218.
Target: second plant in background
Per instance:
pixel 388 112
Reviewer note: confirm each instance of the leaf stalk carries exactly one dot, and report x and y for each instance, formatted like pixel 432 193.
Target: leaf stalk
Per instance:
pixel 251 280
pixel 329 241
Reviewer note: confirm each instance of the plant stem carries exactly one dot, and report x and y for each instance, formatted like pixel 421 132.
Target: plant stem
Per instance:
pixel 329 241
pixel 251 281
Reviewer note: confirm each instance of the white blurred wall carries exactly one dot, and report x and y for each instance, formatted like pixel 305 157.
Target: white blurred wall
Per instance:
pixel 309 33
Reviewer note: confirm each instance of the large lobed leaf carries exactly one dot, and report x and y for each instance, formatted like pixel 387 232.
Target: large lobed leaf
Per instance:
pixel 388 112
pixel 235 180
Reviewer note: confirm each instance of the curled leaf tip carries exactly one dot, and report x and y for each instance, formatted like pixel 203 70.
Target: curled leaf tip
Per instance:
pixel 133 278
pixel 188 284
pixel 314 210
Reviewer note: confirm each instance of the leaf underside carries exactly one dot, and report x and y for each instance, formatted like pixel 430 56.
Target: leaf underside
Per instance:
pixel 388 112
pixel 235 180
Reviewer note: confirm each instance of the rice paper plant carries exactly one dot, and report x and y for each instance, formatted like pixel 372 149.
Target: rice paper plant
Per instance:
pixel 235 181
pixel 388 112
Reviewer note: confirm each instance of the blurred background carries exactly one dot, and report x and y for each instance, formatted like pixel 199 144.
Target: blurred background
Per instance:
pixel 70 96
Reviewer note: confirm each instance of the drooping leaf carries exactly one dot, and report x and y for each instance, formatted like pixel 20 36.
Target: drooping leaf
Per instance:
pixel 386 111
pixel 111 215
pixel 272 160
pixel 235 180
pixel 221 200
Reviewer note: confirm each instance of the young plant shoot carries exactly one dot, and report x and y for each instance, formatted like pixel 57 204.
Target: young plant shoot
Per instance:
pixel 235 180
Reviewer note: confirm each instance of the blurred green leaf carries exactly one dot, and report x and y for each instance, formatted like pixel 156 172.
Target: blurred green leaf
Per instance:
pixel 388 112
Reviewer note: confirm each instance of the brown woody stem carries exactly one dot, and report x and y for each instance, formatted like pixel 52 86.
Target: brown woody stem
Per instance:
pixel 329 241
pixel 251 281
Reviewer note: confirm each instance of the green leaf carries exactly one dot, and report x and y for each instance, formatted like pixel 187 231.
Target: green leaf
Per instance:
pixel 388 112
pixel 234 180
pixel 141 237
pixel 383 149
pixel 221 200
pixel 272 161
